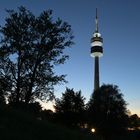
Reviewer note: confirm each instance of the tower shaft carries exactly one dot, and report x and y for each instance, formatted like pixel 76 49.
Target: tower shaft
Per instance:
pixel 96 74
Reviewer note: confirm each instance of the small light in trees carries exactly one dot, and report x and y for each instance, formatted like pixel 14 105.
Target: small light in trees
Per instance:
pixel 93 130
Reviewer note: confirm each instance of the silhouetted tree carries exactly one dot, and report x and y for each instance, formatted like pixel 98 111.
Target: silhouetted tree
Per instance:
pixel 107 110
pixel 47 115
pixel 70 108
pixel 34 108
pixel 30 49
pixel 134 121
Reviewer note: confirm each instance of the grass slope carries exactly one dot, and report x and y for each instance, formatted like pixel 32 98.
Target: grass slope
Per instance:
pixel 17 125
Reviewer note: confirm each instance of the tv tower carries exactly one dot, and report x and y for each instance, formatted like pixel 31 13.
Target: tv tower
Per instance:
pixel 96 52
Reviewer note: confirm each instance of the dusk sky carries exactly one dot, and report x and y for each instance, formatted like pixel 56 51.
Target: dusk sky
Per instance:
pixel 119 24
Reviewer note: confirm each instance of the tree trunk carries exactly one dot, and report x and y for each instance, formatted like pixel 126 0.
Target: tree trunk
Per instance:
pixel 18 78
pixel 29 92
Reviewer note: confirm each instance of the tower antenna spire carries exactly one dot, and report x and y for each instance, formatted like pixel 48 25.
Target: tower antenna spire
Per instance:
pixel 96 21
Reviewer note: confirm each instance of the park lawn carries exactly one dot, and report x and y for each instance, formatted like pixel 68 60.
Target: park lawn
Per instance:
pixel 17 125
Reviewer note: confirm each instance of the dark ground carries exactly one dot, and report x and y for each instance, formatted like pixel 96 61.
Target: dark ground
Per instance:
pixel 18 125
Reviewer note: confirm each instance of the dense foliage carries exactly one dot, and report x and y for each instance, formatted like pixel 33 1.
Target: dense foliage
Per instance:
pixel 107 109
pixel 70 108
pixel 30 48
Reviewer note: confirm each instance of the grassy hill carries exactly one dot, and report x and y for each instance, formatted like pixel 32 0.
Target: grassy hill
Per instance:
pixel 17 125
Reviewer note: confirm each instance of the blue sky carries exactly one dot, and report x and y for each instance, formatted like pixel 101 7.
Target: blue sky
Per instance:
pixel 119 24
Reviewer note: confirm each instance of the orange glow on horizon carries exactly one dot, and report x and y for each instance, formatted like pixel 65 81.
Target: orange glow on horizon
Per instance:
pixel 47 105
